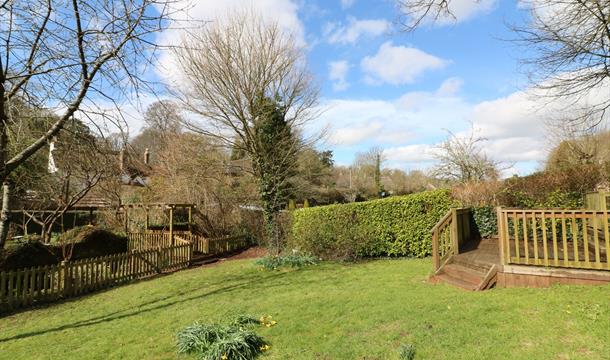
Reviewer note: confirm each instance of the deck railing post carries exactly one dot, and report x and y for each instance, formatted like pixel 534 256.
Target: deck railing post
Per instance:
pixel 454 232
pixel 501 234
pixel 435 254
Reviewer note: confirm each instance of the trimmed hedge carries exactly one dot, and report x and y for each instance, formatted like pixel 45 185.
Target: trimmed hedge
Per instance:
pixel 396 226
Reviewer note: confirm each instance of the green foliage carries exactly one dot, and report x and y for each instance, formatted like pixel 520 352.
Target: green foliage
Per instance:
pixel 292 260
pixel 396 226
pixel 217 341
pixel 407 352
pixel 241 319
pixel 486 220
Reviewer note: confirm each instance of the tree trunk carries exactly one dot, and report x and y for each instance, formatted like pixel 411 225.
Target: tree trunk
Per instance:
pixel 5 212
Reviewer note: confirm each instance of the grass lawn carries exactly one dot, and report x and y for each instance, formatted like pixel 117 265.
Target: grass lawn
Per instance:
pixel 329 311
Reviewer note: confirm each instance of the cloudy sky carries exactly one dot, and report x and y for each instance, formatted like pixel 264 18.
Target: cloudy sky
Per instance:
pixel 404 91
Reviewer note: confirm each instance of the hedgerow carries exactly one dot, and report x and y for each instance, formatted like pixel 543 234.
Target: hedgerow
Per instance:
pixel 396 226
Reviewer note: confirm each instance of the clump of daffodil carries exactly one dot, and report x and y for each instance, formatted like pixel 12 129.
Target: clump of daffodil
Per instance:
pixel 267 320
pixel 234 338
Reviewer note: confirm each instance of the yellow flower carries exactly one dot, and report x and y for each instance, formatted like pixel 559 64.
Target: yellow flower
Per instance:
pixel 265 347
pixel 224 357
pixel 273 322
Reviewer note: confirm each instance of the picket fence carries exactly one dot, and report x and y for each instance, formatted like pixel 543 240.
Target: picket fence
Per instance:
pixel 27 287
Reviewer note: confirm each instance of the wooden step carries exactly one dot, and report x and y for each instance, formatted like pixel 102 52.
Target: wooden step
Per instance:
pixel 466 285
pixel 470 263
pixel 463 272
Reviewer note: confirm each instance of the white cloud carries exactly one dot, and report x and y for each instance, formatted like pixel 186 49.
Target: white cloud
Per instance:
pixel 398 64
pixel 338 74
pixel 355 29
pixel 347 3
pixel 410 127
pixel 415 153
pixel 460 11
pixel 450 87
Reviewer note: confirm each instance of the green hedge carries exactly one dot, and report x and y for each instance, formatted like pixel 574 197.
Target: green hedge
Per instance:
pixel 396 226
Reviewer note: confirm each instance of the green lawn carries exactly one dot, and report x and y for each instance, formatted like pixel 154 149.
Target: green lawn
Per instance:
pixel 329 311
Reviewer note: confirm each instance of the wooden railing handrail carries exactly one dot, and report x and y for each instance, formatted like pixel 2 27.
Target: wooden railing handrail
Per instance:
pixel 442 221
pixel 572 238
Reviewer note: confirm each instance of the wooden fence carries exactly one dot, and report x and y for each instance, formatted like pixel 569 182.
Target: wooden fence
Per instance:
pixel 597 201
pixel 151 240
pixel 201 245
pixel 42 284
pixel 453 230
pixel 560 238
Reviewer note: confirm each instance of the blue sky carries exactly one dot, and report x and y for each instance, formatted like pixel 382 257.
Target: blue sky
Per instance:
pixel 381 86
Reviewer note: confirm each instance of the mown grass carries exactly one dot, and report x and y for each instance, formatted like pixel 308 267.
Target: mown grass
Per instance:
pixel 327 311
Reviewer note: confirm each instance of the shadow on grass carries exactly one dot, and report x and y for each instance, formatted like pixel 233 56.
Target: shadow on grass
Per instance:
pixel 242 282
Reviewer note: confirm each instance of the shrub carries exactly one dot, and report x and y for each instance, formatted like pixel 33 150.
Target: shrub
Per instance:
pixel 407 352
pixel 216 341
pixel 396 226
pixel 486 220
pixel 86 242
pixel 293 260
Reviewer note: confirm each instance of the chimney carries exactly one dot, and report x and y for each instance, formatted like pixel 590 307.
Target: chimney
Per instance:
pixel 146 156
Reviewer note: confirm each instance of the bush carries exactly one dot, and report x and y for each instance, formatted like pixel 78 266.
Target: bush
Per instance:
pixel 293 261
pixel 216 341
pixel 396 226
pixel 486 220
pixel 86 242
pixel 235 340
pixel 90 241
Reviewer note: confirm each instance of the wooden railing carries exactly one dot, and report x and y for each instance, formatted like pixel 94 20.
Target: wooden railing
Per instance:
pixel 149 240
pixel 227 244
pixel 210 246
pixel 49 283
pixel 558 238
pixel 448 234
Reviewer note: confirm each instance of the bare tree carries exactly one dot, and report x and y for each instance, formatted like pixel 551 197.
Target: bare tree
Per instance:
pixel 83 162
pixel 414 12
pixel 248 84
pixel 67 56
pixel 163 116
pixel 570 40
pixel 462 159
pixel 570 45
pixel 577 142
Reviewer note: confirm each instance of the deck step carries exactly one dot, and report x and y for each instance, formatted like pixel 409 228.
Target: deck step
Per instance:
pixel 464 272
pixel 481 267
pixel 461 283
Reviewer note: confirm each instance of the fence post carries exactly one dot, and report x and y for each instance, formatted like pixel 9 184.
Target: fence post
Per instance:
pixel 159 262
pixel 66 278
pixel 171 225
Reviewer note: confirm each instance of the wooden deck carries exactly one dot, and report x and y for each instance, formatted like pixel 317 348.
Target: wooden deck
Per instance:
pixel 532 259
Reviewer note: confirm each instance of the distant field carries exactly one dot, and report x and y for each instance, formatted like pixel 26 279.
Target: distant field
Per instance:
pixel 330 311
